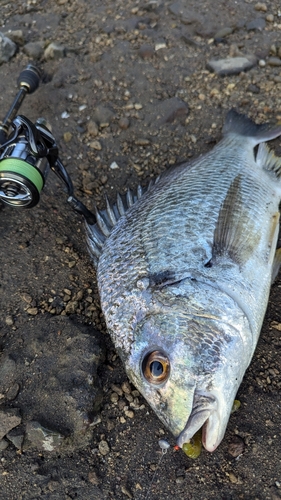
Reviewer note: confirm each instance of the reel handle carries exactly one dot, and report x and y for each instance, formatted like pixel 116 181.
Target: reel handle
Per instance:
pixel 28 82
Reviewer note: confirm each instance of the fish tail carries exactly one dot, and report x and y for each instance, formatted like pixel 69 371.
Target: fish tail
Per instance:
pixel 239 124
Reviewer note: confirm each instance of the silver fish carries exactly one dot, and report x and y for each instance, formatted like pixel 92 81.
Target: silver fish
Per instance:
pixel 184 271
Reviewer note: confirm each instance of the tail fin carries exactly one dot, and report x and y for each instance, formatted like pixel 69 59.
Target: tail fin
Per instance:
pixel 239 124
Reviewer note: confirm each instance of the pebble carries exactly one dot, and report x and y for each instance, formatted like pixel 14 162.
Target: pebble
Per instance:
pixel 32 311
pixel 9 320
pixel 16 436
pixel 257 24
pixel 117 389
pixel 67 136
pixel 126 492
pixel 270 18
pixel 104 447
pixel 13 392
pixel 93 478
pixel 9 418
pixel 54 51
pixel 7 48
pixel 92 128
pixel 236 447
pixel 114 165
pixel 262 63
pixel 232 478
pixel 95 145
pixel 223 32
pixel 231 65
pixel 16 36
pixel 146 51
pixel 124 123
pixel 35 50
pixel 126 388
pixel 274 61
pixel 253 88
pixel 142 142
pixel 129 414
pixel 3 444
pixel 261 6
pixel 114 397
pixel 103 115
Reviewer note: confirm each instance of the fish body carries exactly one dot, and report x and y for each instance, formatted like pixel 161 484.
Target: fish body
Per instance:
pixel 184 272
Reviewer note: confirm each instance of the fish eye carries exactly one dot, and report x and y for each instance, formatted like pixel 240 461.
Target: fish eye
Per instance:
pixel 156 367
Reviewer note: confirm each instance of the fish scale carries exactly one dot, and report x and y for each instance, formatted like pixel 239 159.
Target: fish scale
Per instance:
pixel 184 272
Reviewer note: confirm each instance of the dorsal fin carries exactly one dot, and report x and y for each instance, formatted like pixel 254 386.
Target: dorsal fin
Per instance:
pixel 107 218
pixel 267 159
pixel 233 235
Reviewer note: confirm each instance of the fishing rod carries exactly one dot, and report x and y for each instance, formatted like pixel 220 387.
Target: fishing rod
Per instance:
pixel 28 151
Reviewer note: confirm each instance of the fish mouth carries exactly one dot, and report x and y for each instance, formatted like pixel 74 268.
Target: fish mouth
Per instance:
pixel 204 414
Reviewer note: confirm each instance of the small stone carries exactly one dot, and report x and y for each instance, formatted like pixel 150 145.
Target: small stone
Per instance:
pixel 179 479
pixel 103 115
pixel 129 414
pixel 231 65
pixel 126 492
pixel 117 389
pixel 122 420
pixel 32 311
pixel 274 61
pixel 27 298
pixel 95 145
pixel 236 447
pixel 232 478
pixel 126 388
pixel 138 106
pixel 54 51
pixel 261 6
pixel 9 418
pixel 67 136
pixel 160 45
pixel 146 51
pixel 93 478
pixel 92 128
pixel 270 18
pixel 71 307
pixel 253 88
pixel 9 320
pixel 13 392
pixel 16 436
pixel 114 397
pixel 114 165
pixel 262 63
pixel 257 24
pixel 35 50
pixel 124 123
pixel 223 32
pixel 3 444
pixel 16 36
pixel 142 142
pixel 7 48
pixel 103 447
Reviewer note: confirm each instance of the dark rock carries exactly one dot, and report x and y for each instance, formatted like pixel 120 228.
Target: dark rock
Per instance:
pixel 232 65
pixel 41 438
pixel 253 88
pixel 16 436
pixel 9 418
pixel 7 48
pixel 54 51
pixel 257 24
pixel 146 51
pixel 103 114
pixel 168 111
pixel 236 447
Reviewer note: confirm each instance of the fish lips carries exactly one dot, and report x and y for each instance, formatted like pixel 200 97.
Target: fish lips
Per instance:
pixel 204 414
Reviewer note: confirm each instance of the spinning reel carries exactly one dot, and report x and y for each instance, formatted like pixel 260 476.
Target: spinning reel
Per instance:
pixel 28 153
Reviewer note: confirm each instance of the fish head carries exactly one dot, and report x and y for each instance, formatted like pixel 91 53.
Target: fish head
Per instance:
pixel 186 384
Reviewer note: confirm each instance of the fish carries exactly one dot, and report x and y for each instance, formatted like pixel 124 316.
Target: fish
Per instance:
pixel 184 270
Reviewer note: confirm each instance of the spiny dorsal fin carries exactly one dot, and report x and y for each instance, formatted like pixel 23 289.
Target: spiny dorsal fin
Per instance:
pixel 267 159
pixel 234 232
pixel 107 218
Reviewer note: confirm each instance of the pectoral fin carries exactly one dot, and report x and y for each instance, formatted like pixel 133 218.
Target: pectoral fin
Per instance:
pixel 234 234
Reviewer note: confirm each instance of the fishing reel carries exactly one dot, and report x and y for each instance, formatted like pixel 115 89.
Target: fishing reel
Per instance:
pixel 28 153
